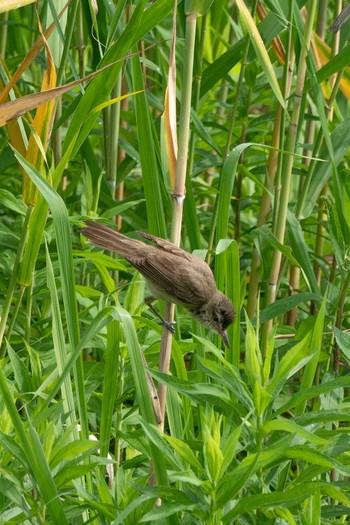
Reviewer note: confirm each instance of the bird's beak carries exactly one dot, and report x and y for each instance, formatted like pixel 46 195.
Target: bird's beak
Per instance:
pixel 225 338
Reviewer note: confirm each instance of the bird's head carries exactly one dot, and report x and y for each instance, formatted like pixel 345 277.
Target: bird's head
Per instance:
pixel 218 314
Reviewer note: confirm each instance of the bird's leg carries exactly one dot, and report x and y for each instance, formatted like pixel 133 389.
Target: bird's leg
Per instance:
pixel 169 325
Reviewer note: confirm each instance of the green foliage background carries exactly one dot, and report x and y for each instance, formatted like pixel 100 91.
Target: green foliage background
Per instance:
pixel 258 433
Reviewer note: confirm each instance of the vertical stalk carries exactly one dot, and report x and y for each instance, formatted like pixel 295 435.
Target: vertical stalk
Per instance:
pixel 232 122
pixel 13 280
pixel 184 129
pixel 191 221
pixel 288 165
pixel 112 123
pixel 273 168
pixel 238 90
pixel 119 193
pixel 3 32
pixel 295 272
pixel 81 44
pixel 179 189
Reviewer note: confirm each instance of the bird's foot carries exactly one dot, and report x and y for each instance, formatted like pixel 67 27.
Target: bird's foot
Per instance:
pixel 169 325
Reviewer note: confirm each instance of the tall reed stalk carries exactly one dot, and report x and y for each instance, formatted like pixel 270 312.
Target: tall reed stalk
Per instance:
pixel 287 164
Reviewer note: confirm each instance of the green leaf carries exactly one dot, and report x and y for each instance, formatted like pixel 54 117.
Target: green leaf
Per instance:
pixel 72 451
pixel 201 392
pixel 8 200
pixel 260 50
pixel 22 375
pixel 198 7
pixel 323 170
pixel 338 241
pixel 343 340
pixel 185 451
pixel 226 375
pixel 281 306
pixel 315 349
pixel 335 65
pixel 285 425
pixel 266 234
pixel 273 500
pixel 315 457
pixel 225 191
pixel 290 363
pixel 152 182
pixel 230 448
pixel 300 251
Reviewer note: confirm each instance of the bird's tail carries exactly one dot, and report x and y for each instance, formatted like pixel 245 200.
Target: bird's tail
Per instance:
pixel 104 237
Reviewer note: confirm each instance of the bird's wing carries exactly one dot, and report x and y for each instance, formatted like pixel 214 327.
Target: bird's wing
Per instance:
pixel 180 281
pixel 167 246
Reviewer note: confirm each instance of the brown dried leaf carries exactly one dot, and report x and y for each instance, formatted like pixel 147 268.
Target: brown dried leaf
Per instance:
pixel 32 53
pixel 16 108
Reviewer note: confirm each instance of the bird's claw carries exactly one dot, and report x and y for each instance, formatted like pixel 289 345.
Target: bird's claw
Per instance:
pixel 169 325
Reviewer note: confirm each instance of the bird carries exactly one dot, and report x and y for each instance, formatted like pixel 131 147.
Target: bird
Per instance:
pixel 171 274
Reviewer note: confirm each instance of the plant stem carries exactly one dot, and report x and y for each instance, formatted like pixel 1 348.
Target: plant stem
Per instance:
pixel 12 283
pixel 179 189
pixel 273 172
pixel 288 165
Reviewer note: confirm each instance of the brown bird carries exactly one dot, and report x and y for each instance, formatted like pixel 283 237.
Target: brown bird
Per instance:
pixel 171 274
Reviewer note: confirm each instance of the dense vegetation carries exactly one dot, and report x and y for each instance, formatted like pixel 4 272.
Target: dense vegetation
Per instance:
pixel 258 92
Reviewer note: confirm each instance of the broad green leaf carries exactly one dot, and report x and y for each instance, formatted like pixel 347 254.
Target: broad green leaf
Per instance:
pixel 273 500
pixel 285 425
pixel 284 305
pixel 315 457
pixel 290 363
pixel 185 451
pixel 266 234
pixel 230 448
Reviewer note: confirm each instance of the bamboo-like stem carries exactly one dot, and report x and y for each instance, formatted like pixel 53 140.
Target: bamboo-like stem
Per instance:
pixel 238 90
pixel 81 45
pixel 322 18
pixel 179 189
pixel 112 124
pixel 273 167
pixel 232 122
pixel 184 129
pixel 288 166
pixel 322 216
pixel 263 214
pixel 334 82
pixel 294 280
pixel 13 280
pixel 3 32
pixel 29 302
pixel 119 192
pixel 71 28
pixel 295 272
pixel 191 222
